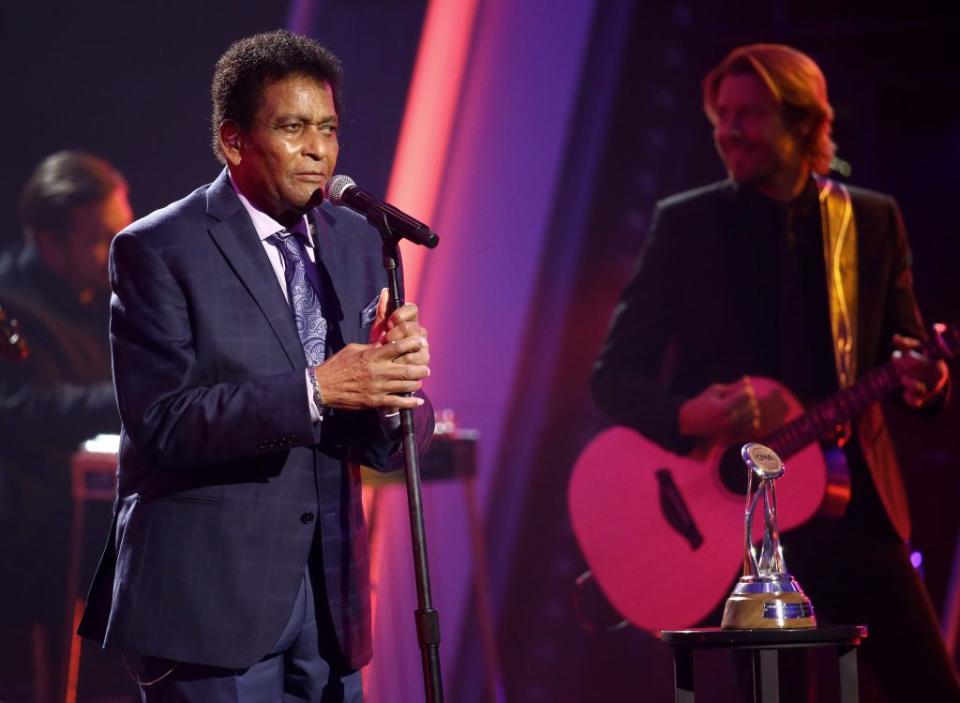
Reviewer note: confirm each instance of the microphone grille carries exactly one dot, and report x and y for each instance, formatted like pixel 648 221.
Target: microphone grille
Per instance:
pixel 337 186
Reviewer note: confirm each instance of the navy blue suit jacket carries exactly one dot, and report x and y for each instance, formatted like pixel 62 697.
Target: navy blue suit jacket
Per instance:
pixel 223 478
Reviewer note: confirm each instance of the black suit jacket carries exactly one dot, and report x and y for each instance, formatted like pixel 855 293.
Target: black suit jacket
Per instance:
pixel 224 480
pixel 686 319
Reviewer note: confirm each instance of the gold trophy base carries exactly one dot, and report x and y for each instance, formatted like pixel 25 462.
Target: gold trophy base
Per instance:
pixel 768 611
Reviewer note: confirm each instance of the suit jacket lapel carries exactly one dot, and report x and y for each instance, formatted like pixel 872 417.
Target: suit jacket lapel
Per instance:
pixel 335 273
pixel 236 238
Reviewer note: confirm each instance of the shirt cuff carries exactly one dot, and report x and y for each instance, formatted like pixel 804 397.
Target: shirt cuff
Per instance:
pixel 315 414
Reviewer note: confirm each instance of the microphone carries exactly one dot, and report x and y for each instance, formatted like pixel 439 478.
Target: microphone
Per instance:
pixel 341 190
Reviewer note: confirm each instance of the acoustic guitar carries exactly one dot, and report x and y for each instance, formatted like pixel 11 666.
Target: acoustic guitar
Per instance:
pixel 663 534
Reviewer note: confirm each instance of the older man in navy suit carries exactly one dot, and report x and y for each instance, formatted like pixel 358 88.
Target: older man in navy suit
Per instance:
pixel 256 369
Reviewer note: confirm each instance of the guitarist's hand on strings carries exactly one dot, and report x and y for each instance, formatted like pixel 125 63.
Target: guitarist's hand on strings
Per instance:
pixel 722 411
pixel 923 379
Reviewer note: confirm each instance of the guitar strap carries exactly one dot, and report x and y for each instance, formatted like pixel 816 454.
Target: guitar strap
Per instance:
pixel 840 258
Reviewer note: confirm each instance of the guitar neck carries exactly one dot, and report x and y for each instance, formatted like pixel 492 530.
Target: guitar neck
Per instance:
pixel 822 419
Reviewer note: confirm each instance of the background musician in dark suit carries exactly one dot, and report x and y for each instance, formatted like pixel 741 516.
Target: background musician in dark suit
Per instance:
pixel 256 369
pixel 56 287
pixel 737 279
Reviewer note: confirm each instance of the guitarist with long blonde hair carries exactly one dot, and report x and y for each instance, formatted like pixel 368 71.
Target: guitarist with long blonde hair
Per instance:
pixel 780 272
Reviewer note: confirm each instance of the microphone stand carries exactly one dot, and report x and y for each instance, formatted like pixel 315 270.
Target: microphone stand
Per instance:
pixel 426 616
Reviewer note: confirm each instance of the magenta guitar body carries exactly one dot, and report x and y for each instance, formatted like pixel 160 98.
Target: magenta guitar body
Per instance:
pixel 662 534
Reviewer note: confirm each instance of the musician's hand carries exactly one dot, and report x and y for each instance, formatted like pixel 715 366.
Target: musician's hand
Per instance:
pixel 403 323
pixel 722 411
pixel 361 376
pixel 374 375
pixel 379 327
pixel 923 379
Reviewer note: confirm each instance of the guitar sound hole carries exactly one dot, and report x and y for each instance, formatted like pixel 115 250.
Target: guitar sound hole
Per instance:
pixel 732 471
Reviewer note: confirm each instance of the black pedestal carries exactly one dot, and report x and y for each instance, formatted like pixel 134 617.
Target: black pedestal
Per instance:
pixel 765 646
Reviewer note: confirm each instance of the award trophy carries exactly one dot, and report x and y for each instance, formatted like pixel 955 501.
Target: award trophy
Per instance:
pixel 766 596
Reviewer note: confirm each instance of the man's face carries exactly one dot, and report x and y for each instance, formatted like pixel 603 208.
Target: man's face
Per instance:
pixel 283 162
pixel 81 256
pixel 750 134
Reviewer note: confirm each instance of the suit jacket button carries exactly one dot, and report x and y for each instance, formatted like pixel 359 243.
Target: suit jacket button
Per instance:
pixel 307 518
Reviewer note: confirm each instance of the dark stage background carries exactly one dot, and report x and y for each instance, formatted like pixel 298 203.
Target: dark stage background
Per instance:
pixel 130 81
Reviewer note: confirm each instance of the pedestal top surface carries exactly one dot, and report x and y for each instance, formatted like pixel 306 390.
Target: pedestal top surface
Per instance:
pixel 715 637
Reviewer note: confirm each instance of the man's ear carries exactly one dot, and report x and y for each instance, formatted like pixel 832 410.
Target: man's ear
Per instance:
pixel 807 127
pixel 231 141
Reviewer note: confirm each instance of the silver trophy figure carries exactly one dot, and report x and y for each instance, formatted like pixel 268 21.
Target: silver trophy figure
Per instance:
pixel 766 596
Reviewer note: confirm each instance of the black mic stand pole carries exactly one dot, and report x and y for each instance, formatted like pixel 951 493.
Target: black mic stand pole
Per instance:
pixel 426 616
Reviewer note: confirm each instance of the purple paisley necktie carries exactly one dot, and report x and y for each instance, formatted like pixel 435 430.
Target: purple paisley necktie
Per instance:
pixel 311 326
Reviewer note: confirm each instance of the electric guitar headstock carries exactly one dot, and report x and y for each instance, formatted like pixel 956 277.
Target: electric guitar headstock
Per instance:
pixel 12 344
